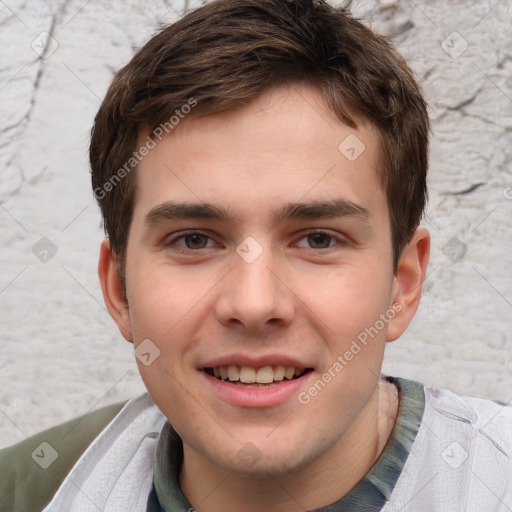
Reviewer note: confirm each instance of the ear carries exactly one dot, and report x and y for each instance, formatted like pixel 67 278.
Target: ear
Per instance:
pixel 408 282
pixel 113 293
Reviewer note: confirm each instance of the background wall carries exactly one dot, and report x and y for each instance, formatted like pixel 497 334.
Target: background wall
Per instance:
pixel 61 354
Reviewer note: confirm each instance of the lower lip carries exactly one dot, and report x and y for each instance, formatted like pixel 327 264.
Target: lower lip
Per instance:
pixel 256 397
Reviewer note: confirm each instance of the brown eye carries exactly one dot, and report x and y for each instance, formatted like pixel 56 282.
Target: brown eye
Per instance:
pixel 319 240
pixel 191 241
pixel 195 241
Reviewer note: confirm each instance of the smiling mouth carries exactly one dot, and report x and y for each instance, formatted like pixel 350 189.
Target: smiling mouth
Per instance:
pixel 256 377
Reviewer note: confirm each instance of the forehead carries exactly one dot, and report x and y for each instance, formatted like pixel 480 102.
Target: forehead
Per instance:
pixel 284 145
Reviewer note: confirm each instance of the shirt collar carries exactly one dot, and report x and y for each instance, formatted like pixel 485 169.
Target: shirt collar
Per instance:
pixel 369 495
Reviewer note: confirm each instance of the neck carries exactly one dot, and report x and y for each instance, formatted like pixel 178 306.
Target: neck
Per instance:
pixel 324 481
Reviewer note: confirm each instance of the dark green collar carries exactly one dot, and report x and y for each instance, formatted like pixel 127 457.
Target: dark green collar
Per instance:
pixel 369 495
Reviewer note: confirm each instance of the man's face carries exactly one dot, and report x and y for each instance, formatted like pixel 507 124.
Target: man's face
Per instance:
pixel 274 284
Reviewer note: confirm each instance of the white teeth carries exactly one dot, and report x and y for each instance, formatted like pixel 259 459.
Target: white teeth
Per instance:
pixel 247 375
pixel 233 373
pixel 279 372
pixel 290 372
pixel 263 375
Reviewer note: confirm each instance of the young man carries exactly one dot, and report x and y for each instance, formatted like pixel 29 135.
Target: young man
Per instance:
pixel 261 170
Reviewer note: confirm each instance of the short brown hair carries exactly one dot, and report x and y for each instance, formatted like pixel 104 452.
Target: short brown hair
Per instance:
pixel 225 53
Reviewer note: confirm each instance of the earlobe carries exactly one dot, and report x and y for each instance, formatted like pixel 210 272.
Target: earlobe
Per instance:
pixel 408 281
pixel 113 293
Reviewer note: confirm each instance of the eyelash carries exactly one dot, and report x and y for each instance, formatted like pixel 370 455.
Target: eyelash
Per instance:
pixel 341 241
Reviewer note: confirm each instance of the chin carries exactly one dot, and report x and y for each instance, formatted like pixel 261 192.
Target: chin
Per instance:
pixel 276 465
pixel 271 459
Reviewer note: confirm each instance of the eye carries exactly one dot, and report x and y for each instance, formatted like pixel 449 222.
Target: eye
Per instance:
pixel 322 240
pixel 192 240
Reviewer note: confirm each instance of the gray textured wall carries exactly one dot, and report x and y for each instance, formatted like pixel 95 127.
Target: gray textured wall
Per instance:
pixel 61 354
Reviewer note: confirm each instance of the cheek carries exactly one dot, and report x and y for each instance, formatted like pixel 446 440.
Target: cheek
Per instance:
pixel 350 300
pixel 167 307
pixel 159 300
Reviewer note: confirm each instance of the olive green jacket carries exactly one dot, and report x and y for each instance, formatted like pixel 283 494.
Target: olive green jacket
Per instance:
pixel 32 470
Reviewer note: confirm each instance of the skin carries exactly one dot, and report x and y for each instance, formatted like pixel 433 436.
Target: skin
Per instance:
pixel 303 296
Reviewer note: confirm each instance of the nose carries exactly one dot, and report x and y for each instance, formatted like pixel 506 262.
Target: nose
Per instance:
pixel 255 294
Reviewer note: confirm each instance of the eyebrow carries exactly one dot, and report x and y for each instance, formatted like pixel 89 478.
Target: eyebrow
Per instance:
pixel 171 210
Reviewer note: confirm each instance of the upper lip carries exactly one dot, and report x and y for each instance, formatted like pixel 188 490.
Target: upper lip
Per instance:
pixel 255 361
